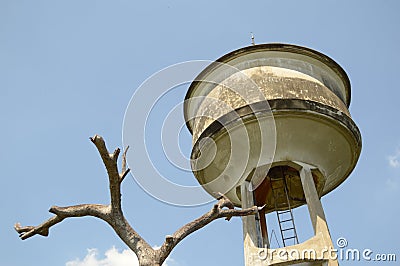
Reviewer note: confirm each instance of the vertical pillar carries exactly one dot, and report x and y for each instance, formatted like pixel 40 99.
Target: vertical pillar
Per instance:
pixel 316 211
pixel 251 227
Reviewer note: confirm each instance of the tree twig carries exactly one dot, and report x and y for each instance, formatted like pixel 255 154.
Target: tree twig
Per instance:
pixel 123 166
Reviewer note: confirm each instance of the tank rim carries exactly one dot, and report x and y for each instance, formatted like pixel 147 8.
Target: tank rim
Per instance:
pixel 269 47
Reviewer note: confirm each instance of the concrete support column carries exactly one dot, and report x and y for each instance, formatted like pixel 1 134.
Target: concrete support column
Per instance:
pixel 316 211
pixel 251 227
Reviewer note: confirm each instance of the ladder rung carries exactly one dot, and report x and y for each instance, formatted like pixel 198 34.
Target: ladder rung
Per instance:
pixel 283 212
pixel 284 221
pixel 289 238
pixel 291 228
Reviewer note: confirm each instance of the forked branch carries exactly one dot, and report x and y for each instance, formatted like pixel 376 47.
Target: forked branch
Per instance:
pixel 114 216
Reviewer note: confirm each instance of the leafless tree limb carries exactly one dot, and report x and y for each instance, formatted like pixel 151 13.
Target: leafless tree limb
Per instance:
pixel 124 170
pixel 216 212
pixel 123 167
pixel 113 215
pixel 100 211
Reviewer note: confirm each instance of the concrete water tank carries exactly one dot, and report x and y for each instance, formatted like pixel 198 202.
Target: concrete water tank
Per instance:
pixel 267 107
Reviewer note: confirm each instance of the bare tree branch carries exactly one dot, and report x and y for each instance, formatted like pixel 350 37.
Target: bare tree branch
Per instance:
pixel 100 211
pixel 113 215
pixel 216 212
pixel 42 229
pixel 110 162
pixel 123 166
pixel 124 170
pixel 115 154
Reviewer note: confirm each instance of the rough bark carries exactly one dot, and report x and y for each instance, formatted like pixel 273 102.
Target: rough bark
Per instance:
pixel 113 215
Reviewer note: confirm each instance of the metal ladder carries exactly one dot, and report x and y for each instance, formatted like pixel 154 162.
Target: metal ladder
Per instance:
pixel 285 217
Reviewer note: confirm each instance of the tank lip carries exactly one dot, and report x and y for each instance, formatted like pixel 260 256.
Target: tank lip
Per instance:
pixel 270 47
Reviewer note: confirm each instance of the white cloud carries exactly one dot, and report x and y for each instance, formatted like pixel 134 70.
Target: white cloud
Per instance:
pixel 112 258
pixel 394 160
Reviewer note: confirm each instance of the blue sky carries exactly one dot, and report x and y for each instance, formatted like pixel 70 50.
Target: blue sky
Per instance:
pixel 69 68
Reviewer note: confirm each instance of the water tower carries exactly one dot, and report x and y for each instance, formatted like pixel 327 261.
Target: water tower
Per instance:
pixel 271 127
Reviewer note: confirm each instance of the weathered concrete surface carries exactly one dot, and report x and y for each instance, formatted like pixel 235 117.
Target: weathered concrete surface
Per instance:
pixel 258 84
pixel 267 63
pixel 251 226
